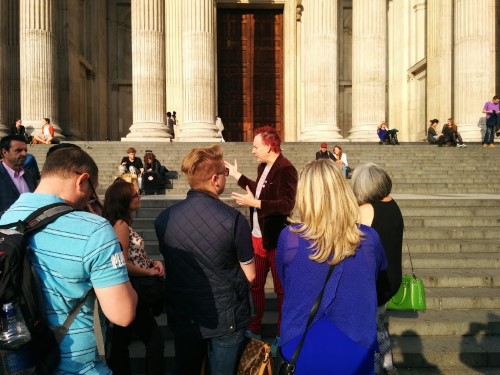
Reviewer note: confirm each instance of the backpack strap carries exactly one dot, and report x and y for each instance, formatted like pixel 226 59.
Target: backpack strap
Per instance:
pixel 61 331
pixel 43 216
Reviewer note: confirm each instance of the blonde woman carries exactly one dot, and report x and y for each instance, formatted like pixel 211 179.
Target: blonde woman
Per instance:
pixel 325 231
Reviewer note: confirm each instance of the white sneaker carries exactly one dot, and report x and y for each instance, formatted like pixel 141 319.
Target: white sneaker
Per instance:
pixel 464 145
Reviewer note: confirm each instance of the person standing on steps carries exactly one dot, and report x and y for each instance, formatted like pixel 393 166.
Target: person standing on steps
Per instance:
pixel 270 198
pixel 209 263
pixel 492 109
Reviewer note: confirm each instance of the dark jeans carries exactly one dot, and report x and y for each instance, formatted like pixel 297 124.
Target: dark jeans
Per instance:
pixel 146 328
pixel 489 135
pixel 221 354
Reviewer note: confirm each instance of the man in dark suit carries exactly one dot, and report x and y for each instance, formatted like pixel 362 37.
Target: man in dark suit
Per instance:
pixel 14 180
pixel 271 198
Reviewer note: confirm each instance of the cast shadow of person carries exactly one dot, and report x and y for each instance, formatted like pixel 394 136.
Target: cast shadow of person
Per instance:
pixel 410 345
pixel 478 339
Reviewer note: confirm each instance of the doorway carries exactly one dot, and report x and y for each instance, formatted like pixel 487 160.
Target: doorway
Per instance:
pixel 250 71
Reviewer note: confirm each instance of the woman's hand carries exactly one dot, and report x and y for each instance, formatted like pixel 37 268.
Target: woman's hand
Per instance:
pixel 233 169
pixel 159 267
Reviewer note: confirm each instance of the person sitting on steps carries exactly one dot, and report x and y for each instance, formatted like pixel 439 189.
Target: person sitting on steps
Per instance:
pixel 387 136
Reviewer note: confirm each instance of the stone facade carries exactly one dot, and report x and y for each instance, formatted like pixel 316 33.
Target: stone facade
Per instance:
pixel 110 70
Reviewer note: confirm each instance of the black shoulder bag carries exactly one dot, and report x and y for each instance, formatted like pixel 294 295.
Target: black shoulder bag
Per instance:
pixel 282 366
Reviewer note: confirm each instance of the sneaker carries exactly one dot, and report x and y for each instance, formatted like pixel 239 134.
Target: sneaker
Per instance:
pixel 484 145
pixel 464 145
pixel 274 346
pixel 251 335
pixel 492 145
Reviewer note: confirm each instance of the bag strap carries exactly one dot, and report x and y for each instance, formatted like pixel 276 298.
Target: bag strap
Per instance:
pixel 43 216
pixel 409 254
pixel 290 367
pixel 60 331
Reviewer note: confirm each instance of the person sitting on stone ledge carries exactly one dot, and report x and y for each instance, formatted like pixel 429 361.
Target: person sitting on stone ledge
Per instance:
pixel 151 164
pixel 432 136
pixel 131 164
pixel 46 135
pixel 387 136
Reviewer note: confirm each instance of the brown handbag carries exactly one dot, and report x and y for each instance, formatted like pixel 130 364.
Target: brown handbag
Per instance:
pixel 256 358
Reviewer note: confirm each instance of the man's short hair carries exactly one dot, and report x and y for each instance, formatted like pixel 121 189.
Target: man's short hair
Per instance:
pixel 6 142
pixel 130 150
pixel 67 161
pixel 495 97
pixel 201 163
pixel 270 137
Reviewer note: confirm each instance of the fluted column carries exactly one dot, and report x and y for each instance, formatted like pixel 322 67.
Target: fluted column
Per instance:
pixel 38 64
pixel 474 82
pixel 173 57
pixel 4 129
pixel 198 48
pixel 369 56
pixel 439 58
pixel 148 71
pixel 319 71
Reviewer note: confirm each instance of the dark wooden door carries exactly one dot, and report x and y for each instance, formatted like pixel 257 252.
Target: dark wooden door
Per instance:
pixel 250 71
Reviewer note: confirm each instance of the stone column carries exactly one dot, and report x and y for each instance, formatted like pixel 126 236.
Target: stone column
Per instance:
pixel 439 48
pixel 173 58
pixel 4 127
pixel 319 71
pixel 38 46
pixel 199 79
pixel 369 68
pixel 474 81
pixel 148 71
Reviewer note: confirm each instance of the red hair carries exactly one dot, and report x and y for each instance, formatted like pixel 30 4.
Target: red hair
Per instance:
pixel 269 137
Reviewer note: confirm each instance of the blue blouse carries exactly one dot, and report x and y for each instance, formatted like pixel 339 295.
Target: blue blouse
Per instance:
pixel 350 298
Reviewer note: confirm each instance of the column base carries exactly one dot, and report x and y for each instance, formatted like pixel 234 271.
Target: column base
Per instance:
pixel 4 130
pixel 198 132
pixel 321 133
pixel 364 133
pixel 472 132
pixel 148 131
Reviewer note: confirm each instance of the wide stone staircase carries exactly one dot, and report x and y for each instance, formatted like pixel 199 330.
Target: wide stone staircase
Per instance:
pixel 450 202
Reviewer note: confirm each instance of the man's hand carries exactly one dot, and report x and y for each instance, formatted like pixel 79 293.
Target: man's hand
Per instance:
pixel 247 199
pixel 233 169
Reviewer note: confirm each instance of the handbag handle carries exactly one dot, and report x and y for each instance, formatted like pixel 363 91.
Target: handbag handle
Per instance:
pixel 409 254
pixel 290 367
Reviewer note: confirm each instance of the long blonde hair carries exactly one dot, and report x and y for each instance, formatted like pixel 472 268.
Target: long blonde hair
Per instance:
pixel 326 212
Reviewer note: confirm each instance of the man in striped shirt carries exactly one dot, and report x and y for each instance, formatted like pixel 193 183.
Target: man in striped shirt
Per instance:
pixel 73 254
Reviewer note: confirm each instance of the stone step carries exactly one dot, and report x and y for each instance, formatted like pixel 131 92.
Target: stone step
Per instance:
pixel 463 261
pixel 458 277
pixel 457 233
pixel 436 352
pixel 451 246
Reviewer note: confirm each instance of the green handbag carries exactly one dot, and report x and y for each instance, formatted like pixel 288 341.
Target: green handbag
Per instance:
pixel 411 292
pixel 410 296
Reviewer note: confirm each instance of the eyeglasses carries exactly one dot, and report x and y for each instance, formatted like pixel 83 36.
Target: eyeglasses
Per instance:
pixel 225 173
pixel 93 196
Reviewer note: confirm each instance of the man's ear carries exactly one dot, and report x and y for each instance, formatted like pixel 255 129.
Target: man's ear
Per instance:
pixel 82 179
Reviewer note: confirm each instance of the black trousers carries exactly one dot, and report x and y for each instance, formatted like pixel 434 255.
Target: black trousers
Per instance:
pixel 145 327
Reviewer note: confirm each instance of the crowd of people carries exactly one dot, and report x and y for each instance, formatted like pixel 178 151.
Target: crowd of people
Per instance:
pixel 215 262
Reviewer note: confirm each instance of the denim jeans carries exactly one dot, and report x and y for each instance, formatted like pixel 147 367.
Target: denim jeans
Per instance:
pixel 489 135
pixel 223 353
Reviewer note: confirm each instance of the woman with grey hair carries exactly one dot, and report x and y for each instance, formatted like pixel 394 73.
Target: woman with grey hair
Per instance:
pixel 372 186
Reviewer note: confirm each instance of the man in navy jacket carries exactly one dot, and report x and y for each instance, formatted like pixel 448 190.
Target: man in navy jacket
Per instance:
pixel 14 180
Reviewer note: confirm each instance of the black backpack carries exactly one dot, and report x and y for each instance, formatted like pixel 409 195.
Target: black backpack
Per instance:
pixel 19 284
